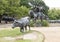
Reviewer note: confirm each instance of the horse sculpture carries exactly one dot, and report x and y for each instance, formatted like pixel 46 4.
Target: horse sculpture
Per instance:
pixel 36 14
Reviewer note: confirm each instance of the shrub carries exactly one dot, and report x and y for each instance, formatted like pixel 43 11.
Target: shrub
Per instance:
pixel 31 23
pixel 45 23
pixel 39 23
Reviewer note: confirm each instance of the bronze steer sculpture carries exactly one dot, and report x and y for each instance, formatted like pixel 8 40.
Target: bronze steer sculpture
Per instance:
pixel 22 23
pixel 6 18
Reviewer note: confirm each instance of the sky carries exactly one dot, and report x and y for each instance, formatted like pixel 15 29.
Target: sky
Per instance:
pixel 52 3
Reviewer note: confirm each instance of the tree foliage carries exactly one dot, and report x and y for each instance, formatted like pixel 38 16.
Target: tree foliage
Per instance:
pixel 54 14
pixel 18 8
pixel 41 3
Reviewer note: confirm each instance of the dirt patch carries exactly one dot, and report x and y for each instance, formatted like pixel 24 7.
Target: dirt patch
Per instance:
pixel 54 24
pixel 8 38
pixel 5 25
pixel 10 25
pixel 52 34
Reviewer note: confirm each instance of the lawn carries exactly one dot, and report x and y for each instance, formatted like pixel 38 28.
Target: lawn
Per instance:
pixel 13 33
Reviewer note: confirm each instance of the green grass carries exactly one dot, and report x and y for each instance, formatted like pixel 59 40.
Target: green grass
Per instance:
pixel 11 32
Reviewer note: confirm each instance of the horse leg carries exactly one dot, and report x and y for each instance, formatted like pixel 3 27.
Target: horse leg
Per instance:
pixel 34 20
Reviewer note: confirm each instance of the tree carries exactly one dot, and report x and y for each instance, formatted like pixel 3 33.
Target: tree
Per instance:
pixel 9 6
pixel 18 7
pixel 3 5
pixel 24 3
pixel 39 3
pixel 54 14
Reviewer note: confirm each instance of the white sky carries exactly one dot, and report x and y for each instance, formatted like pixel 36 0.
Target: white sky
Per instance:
pixel 52 3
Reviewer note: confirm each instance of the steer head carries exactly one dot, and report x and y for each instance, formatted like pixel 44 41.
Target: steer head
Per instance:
pixel 15 24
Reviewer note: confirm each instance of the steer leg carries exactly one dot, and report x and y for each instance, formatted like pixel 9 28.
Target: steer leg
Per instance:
pixel 25 27
pixel 29 27
pixel 6 22
pixel 21 29
pixel 0 21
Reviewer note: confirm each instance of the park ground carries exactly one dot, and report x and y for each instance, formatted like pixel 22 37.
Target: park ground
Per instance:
pixel 51 34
